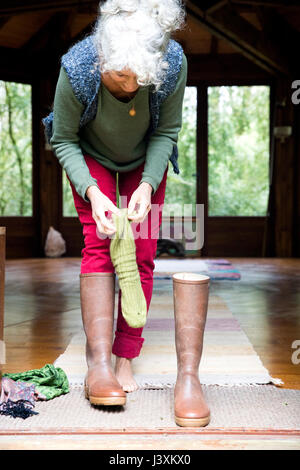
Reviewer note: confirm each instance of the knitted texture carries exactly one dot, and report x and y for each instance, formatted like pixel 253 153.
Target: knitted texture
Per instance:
pixel 83 69
pixel 123 257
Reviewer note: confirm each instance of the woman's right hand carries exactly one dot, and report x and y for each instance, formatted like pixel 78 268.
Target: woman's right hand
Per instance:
pixel 100 204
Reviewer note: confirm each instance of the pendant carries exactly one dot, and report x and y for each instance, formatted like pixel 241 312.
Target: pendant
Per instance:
pixel 132 112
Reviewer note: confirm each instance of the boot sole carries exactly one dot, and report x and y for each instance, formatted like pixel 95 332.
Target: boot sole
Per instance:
pixel 192 422
pixel 106 401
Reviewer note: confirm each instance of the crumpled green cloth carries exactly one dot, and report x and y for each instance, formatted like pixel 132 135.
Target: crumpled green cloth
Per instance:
pixel 49 381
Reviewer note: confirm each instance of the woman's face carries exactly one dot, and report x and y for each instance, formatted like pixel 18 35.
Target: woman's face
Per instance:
pixel 125 79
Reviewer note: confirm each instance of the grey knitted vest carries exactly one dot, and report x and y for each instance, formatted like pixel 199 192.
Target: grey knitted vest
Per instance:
pixel 79 63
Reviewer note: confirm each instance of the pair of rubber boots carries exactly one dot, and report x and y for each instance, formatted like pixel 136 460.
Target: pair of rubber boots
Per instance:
pixel 190 296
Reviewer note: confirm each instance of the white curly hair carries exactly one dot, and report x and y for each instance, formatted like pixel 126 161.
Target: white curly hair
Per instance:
pixel 134 34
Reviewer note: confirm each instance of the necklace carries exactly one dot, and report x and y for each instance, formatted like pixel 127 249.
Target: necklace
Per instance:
pixel 132 111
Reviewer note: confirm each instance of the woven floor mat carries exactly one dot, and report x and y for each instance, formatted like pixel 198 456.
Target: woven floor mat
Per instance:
pixel 255 407
pixel 228 356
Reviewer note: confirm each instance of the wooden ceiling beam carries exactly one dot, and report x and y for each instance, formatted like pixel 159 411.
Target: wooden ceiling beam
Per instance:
pixel 54 34
pixel 214 6
pixel 86 30
pixel 273 23
pixel 229 68
pixel 49 59
pixel 249 38
pixel 201 66
pixel 209 6
pixel 268 3
pixel 3 21
pixel 8 54
pixel 225 23
pixel 54 39
pixel 17 7
pixel 214 43
pixel 16 65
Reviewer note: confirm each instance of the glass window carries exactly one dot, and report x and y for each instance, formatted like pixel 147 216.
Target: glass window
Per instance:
pixel 15 149
pixel 238 136
pixel 181 188
pixel 68 201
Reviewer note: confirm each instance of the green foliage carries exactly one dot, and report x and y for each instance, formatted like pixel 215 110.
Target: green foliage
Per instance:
pixel 68 201
pixel 238 153
pixel 238 150
pixel 181 189
pixel 15 149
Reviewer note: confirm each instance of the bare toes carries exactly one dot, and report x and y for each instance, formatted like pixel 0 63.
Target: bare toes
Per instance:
pixel 126 388
pixel 129 387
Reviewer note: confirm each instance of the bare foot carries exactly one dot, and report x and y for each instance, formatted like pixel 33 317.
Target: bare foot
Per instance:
pixel 124 374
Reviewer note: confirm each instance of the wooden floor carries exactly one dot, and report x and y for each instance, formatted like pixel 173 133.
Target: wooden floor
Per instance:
pixel 42 310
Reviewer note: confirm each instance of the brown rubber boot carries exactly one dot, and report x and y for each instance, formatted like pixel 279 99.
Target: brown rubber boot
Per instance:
pixel 190 295
pixel 97 297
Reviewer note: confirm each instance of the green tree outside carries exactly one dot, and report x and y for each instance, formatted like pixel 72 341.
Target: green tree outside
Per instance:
pixel 238 126
pixel 15 149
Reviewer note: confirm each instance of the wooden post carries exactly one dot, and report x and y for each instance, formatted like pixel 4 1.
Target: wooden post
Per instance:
pixel 202 157
pixel 284 169
pixel 2 282
pixel 48 171
pixel 297 179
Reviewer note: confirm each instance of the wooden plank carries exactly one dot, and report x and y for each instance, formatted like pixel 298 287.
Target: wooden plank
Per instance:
pixel 86 30
pixel 16 7
pixel 226 24
pixel 49 174
pixel 152 443
pixel 71 229
pixel 214 42
pixel 202 156
pixel 52 34
pixel 297 180
pixel 268 247
pixel 156 431
pixel 249 38
pixel 284 167
pixel 234 236
pixel 20 236
pixel 3 21
pixel 16 66
pixel 271 23
pixel 269 3
pixel 214 6
pixel 223 68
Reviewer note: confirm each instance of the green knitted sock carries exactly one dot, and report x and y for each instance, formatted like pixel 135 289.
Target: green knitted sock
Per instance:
pixel 123 256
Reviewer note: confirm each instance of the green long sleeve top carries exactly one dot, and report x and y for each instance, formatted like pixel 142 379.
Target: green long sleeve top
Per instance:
pixel 114 138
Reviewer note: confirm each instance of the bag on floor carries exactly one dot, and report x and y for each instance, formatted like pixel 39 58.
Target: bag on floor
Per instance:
pixel 55 245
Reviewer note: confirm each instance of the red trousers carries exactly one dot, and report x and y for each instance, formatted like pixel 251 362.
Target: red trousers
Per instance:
pixel 95 254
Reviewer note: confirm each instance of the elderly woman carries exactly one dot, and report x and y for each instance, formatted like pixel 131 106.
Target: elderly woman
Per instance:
pixel 117 112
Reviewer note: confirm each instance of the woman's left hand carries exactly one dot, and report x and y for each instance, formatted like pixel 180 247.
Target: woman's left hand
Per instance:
pixel 142 197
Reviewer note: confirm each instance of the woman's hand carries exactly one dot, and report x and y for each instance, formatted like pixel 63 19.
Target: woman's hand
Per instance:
pixel 142 197
pixel 100 204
